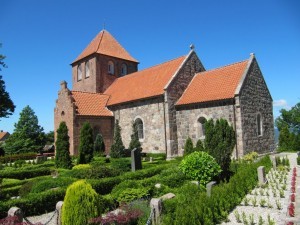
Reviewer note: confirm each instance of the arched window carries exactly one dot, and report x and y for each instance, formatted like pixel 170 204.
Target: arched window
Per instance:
pixel 259 124
pixel 87 69
pixel 140 128
pixel 79 73
pixel 111 68
pixel 124 70
pixel 201 127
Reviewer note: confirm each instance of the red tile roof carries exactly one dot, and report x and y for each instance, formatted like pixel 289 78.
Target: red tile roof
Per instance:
pixel 143 84
pixel 3 135
pixel 216 84
pixel 104 43
pixel 91 104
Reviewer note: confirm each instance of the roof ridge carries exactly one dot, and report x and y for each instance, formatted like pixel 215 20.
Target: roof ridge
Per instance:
pixel 227 65
pixel 151 67
pixel 85 92
pixel 102 34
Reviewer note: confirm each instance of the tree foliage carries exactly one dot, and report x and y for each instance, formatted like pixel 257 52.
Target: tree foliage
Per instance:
pixel 188 146
pixel 49 137
pixel 288 124
pixel 7 106
pixel 86 144
pixel 219 143
pixel 134 142
pixel 199 146
pixel 28 135
pixel 200 166
pixel 99 147
pixel 81 203
pixel 117 148
pixel 62 145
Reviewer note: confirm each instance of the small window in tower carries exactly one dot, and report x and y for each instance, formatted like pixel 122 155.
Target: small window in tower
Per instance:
pixel 79 73
pixel 111 69
pixel 124 70
pixel 259 124
pixel 87 69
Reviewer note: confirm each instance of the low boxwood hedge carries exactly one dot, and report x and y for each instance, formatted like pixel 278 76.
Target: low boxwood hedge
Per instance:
pixel 25 173
pixel 12 158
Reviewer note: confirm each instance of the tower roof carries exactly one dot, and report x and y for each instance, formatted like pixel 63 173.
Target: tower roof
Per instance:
pixel 104 43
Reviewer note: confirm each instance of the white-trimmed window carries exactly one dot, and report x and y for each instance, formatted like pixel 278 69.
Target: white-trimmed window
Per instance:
pixel 111 67
pixel 140 128
pixel 79 73
pixel 259 124
pixel 87 69
pixel 124 69
pixel 201 127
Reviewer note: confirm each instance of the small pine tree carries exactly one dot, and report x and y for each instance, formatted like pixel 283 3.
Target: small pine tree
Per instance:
pixel 285 139
pixel 86 144
pixel 81 203
pixel 99 145
pixel 117 148
pixel 199 146
pixel 62 145
pixel 188 147
pixel 135 142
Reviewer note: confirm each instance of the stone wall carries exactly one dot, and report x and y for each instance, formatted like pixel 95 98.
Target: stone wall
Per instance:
pixel 187 119
pixel 99 79
pixel 102 125
pixel 175 89
pixel 255 98
pixel 151 112
pixel 65 111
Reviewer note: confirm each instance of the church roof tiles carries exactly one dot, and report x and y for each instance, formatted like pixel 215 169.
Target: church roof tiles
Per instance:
pixel 104 43
pixel 91 104
pixel 212 85
pixel 143 84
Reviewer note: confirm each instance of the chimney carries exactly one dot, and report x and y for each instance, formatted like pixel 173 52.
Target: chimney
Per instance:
pixel 63 85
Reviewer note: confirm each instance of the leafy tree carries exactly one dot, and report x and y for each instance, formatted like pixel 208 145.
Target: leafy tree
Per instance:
pixel 188 146
pixel 285 139
pixel 28 135
pixel 81 203
pixel 86 144
pixel 62 145
pixel 117 148
pixel 7 106
pixel 135 142
pixel 199 146
pixel 99 145
pixel 290 118
pixel 219 143
pixel 49 137
pixel 200 166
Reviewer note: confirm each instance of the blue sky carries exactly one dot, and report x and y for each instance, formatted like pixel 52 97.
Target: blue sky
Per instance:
pixel 41 38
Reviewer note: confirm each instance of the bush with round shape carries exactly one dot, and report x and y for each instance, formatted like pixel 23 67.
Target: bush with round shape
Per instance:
pixel 200 166
pixel 81 203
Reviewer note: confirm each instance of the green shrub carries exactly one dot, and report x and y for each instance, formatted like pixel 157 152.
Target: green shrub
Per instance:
pixel 86 144
pixel 44 184
pixel 188 146
pixel 7 182
pixel 6 193
pixel 117 148
pixel 99 147
pixel 62 145
pixel 135 141
pixel 130 194
pixel 80 204
pixel 82 166
pixel 23 156
pixel 200 166
pixel 25 173
pixel 172 177
pixel 25 189
pixel 122 164
pixel 199 146
pixel 250 157
pixel 157 156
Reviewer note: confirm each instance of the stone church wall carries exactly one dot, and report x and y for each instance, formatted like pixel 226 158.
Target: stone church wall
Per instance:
pixel 174 91
pixel 255 98
pixel 188 116
pixel 151 112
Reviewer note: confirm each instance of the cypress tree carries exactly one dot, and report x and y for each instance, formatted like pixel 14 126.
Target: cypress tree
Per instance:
pixel 284 139
pixel 117 148
pixel 62 145
pixel 135 142
pixel 199 146
pixel 188 147
pixel 99 145
pixel 86 144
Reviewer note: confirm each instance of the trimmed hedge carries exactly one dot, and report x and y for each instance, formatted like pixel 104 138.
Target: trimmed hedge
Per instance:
pixel 9 192
pixel 25 173
pixel 12 158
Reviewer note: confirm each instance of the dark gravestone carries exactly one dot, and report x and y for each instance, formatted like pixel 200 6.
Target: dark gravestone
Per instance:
pixel 136 160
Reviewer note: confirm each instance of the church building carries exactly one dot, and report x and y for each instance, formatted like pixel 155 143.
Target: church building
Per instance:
pixel 169 102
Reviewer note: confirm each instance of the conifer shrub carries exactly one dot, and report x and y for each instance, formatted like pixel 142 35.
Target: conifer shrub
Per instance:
pixel 134 142
pixel 62 145
pixel 99 147
pixel 81 203
pixel 200 166
pixel 199 146
pixel 188 146
pixel 117 148
pixel 86 144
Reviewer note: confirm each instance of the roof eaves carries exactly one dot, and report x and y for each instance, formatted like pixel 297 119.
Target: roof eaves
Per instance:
pixel 238 89
pixel 134 100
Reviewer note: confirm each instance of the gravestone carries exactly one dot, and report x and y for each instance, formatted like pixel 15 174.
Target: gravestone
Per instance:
pixel 156 209
pixel 58 208
pixel 136 160
pixel 41 159
pixel 150 159
pixel 15 211
pixel 261 175
pixel 209 186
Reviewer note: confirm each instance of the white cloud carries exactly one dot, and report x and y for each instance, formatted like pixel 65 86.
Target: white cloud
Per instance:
pixel 282 103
